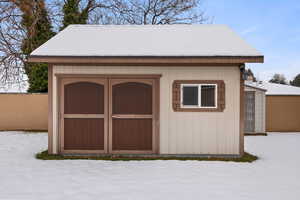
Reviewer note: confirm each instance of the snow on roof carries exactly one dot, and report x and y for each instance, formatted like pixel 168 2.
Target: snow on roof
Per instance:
pixel 146 40
pixel 280 89
pixel 274 88
pixel 256 85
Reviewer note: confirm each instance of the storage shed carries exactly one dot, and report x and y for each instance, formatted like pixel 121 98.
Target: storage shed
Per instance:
pixel 153 89
pixel 283 108
pixel 255 108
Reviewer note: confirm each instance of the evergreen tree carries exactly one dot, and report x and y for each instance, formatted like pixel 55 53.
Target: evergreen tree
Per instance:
pixel 296 81
pixel 37 24
pixel 72 13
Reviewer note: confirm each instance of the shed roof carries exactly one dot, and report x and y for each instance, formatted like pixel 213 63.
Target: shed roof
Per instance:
pixel 280 89
pixel 255 85
pixel 147 41
pixel 274 88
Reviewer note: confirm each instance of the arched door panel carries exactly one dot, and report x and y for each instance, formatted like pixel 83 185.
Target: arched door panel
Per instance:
pixel 108 115
pixel 84 98
pixel 83 111
pixel 132 98
pixel 131 116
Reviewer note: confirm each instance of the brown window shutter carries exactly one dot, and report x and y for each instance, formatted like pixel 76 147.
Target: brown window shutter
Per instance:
pixel 176 95
pixel 221 95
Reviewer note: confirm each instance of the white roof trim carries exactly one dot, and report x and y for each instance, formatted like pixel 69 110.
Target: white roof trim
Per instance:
pixel 254 85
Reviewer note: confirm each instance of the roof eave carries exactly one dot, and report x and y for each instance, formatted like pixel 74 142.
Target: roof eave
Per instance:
pixel 258 88
pixel 145 59
pixel 282 94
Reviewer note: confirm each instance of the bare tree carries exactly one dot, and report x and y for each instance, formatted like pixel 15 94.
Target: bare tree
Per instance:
pixel 12 33
pixel 278 78
pixel 11 37
pixel 158 12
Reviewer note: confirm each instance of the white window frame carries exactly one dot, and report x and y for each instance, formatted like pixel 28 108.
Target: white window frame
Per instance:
pixel 199 95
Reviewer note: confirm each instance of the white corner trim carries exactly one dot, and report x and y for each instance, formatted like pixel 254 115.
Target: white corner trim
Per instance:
pixel 55 110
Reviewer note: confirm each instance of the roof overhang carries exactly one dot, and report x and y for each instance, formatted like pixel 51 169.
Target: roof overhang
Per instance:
pixel 295 95
pixel 257 88
pixel 145 59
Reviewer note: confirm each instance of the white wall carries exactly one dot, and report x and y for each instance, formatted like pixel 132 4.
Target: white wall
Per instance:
pixel 260 109
pixel 183 132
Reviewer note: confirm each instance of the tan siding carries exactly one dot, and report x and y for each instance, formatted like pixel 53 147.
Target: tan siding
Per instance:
pixel 283 113
pixel 23 111
pixel 187 132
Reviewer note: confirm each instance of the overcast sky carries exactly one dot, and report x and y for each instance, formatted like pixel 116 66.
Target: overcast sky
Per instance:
pixel 271 26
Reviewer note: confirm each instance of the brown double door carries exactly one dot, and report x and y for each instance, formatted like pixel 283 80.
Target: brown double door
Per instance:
pixel 108 115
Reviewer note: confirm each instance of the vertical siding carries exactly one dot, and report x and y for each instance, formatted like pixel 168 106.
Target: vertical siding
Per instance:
pixel 282 113
pixel 260 110
pixel 186 132
pixel 264 109
pixel 55 114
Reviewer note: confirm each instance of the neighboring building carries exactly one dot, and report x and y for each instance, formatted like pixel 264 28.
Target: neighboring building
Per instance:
pixel 255 108
pixel 283 108
pixel 167 90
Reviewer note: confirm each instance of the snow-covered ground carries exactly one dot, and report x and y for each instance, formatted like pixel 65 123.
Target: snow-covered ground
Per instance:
pixel 275 176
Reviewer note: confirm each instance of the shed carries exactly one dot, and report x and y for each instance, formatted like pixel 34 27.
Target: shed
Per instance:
pixel 255 108
pixel 283 108
pixel 146 89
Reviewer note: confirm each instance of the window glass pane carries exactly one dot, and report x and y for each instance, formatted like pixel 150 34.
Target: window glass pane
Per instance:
pixel 208 96
pixel 190 95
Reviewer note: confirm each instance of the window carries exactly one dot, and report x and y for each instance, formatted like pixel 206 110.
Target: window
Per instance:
pixel 190 95
pixel 199 95
pixel 209 96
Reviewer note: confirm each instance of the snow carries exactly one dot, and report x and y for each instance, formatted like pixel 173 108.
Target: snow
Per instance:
pixel 274 88
pixel 256 85
pixel 275 176
pixel 280 89
pixel 146 40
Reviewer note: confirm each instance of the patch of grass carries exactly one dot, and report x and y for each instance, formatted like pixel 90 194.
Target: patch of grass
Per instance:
pixel 25 131
pixel 256 134
pixel 35 131
pixel 45 156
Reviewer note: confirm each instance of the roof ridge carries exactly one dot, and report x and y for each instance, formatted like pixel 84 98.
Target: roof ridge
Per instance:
pixel 146 25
